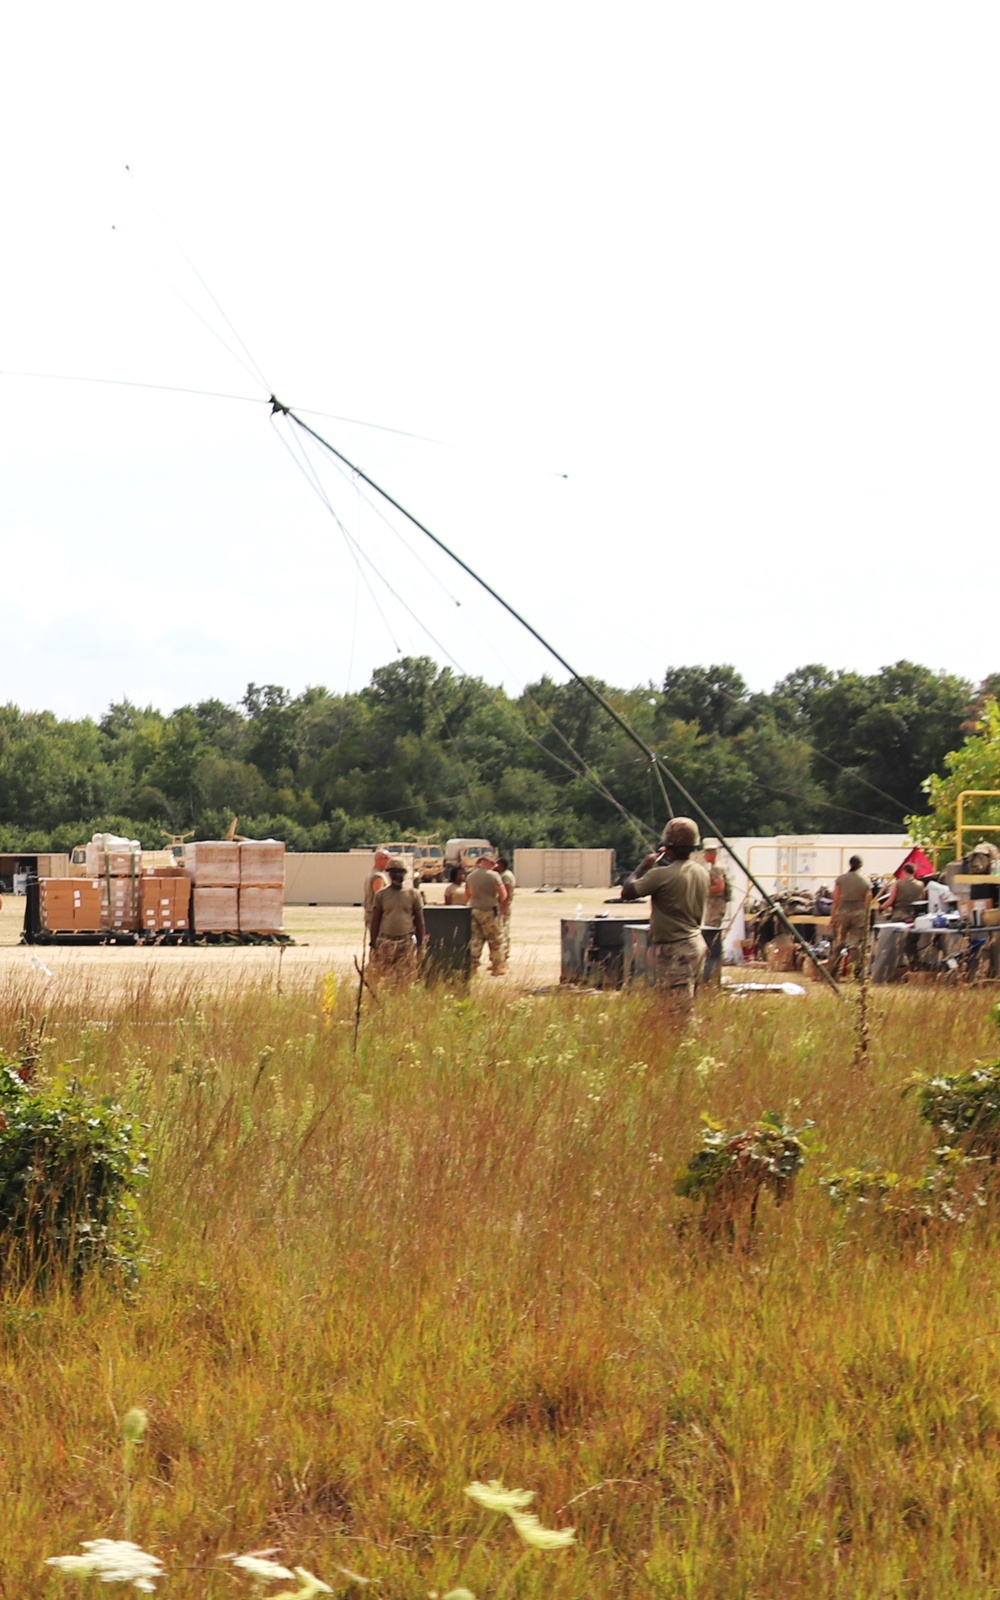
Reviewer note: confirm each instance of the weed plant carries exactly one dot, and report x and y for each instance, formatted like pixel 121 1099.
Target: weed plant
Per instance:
pixel 455 1256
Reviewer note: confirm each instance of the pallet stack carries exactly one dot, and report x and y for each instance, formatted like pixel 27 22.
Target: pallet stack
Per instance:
pixel 70 905
pixel 238 887
pixel 262 886
pixel 165 902
pixel 225 887
pixel 214 866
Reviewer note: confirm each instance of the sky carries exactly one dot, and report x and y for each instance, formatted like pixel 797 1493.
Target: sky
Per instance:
pixel 693 309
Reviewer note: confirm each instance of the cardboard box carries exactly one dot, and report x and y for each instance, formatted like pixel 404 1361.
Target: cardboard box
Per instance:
pixel 213 863
pixel 70 905
pixel 215 909
pixel 164 904
pixel 262 909
pixel 119 903
pixel 262 862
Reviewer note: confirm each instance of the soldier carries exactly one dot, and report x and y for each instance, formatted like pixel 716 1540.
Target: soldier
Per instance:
pixel 510 884
pixel 678 890
pixel 486 895
pixel 849 917
pixel 398 929
pixel 375 881
pixel 903 894
pixel 454 894
pixel 720 888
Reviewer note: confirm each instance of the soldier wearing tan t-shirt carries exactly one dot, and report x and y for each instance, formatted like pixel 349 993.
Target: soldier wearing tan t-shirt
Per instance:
pixel 454 894
pixel 398 929
pixel 486 895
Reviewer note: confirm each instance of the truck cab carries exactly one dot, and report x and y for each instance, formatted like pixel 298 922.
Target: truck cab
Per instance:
pixel 466 853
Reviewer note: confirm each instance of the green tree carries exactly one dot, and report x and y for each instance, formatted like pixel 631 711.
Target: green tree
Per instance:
pixel 974 764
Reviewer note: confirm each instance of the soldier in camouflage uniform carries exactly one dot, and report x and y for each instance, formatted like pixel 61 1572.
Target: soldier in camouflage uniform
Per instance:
pixel 398 929
pixel 486 895
pixel 678 891
pixel 510 884
pixel 852 895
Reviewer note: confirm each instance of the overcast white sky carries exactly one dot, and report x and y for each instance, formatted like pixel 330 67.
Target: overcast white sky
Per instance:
pixel 732 268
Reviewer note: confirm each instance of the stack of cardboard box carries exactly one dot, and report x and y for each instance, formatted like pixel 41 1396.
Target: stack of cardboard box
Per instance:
pixel 119 903
pixel 70 905
pixel 262 886
pixel 165 903
pixel 214 865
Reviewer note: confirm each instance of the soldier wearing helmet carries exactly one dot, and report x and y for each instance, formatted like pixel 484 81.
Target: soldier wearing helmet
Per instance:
pixel 678 891
pixel 398 930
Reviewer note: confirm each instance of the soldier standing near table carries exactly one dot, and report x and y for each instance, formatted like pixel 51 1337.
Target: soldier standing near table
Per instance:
pixel 904 894
pixel 510 884
pixel 678 891
pixel 486 895
pixel 852 895
pixel 398 930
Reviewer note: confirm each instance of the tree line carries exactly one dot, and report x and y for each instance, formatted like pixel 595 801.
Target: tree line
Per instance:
pixel 422 751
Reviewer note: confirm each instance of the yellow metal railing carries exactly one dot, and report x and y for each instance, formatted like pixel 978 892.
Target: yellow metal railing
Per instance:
pixel 962 827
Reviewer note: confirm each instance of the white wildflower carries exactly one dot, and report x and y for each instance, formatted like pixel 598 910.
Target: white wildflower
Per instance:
pixel 532 1532
pixel 113 1561
pixel 257 1567
pixel 493 1496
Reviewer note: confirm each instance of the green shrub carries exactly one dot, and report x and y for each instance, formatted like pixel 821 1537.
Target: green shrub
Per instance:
pixel 731 1171
pixel 964 1109
pixel 70 1167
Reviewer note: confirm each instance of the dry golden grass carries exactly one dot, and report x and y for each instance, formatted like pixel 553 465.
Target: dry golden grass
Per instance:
pixel 456 1256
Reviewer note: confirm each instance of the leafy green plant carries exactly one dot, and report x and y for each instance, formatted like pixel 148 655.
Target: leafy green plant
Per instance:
pixel 964 1109
pixel 730 1172
pixel 70 1167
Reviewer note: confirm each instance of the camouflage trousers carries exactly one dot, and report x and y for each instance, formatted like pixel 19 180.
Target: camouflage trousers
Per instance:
pixel 487 929
pixel 394 960
pixel 675 970
pixel 848 928
pixel 505 933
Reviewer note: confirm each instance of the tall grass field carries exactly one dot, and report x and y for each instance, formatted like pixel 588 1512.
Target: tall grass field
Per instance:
pixel 372 1278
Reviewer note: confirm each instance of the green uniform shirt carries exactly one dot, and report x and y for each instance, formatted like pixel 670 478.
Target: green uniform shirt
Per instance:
pixel 678 894
pixel 854 892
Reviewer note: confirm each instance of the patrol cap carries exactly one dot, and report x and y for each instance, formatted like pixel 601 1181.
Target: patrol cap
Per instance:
pixel 682 831
pixel 396 864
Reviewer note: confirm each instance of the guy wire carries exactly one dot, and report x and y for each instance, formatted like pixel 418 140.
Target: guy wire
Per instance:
pixel 277 407
pixel 586 772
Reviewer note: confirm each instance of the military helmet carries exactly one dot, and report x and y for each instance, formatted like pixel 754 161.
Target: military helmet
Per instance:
pixel 681 831
pixel 395 864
